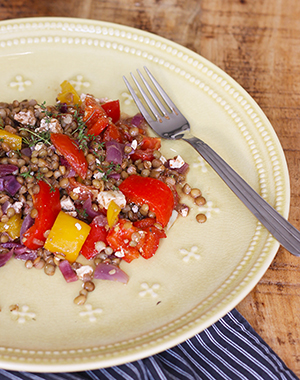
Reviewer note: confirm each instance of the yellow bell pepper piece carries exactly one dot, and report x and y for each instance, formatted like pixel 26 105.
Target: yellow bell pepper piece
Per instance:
pixel 67 236
pixel 68 94
pixel 113 211
pixel 12 227
pixel 12 140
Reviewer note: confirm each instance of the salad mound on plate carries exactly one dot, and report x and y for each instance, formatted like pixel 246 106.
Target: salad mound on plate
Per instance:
pixel 83 187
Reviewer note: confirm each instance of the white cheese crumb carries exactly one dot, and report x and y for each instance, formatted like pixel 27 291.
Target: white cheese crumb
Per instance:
pixel 17 206
pixel 78 226
pixel 105 197
pixel 49 125
pixel 67 204
pixel 83 271
pixel 135 209
pixel 134 144
pixel 163 159
pixel 26 118
pixel 76 190
pixel 38 146
pixel 120 253
pixel 177 163
pixel 98 175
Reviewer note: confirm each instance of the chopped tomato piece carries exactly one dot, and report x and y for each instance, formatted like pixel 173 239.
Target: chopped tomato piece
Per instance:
pixel 97 233
pixel 95 117
pixel 151 191
pixel 47 203
pixel 120 236
pixel 112 133
pixel 142 154
pixel 144 223
pixel 83 191
pixel 71 152
pixel 152 241
pixel 112 109
pixel 150 143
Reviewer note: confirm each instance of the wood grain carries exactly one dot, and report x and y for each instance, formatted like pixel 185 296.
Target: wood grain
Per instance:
pixel 258 44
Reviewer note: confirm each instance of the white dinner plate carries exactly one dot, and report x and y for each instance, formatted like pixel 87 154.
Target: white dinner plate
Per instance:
pixel 201 271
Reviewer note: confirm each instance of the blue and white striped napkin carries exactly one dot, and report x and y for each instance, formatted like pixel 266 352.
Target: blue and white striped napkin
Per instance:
pixel 228 350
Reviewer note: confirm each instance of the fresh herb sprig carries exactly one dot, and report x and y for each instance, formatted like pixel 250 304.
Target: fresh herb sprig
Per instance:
pixel 36 137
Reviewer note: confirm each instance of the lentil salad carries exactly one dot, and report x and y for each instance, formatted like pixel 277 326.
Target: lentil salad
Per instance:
pixel 78 178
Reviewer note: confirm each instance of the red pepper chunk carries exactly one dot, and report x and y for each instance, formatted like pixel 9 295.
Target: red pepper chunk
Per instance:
pixel 97 233
pixel 153 235
pixel 155 193
pixel 112 109
pixel 47 203
pixel 71 152
pixel 119 238
pixel 95 117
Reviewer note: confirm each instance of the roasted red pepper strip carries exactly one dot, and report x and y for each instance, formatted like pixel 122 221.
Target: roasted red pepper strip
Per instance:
pixel 112 109
pixel 155 193
pixel 146 149
pixel 152 241
pixel 83 191
pixel 95 117
pixel 112 133
pixel 71 152
pixel 47 203
pixel 97 233
pixel 119 238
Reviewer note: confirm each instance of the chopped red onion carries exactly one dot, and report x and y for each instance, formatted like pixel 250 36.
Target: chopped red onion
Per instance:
pixel 26 151
pixel 115 176
pixel 26 255
pixel 88 208
pixel 5 206
pixel 67 271
pixel 110 272
pixel 7 169
pixel 114 152
pixel 27 223
pixel 100 220
pixel 11 185
pixel 137 120
pixel 4 257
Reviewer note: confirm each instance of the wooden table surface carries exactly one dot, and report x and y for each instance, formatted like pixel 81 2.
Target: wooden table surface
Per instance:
pixel 257 42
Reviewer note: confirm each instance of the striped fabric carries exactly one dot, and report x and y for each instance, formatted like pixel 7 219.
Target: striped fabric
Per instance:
pixel 228 350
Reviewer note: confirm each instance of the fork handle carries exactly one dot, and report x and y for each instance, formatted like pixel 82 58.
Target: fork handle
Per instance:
pixel 286 234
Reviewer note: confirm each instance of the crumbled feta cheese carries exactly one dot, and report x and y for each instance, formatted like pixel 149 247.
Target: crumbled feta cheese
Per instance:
pixel 39 146
pixel 177 163
pixel 134 144
pixel 78 226
pixel 17 206
pixel 98 175
pixel 83 271
pixel 77 190
pixel 67 204
pixel 51 125
pixel 163 159
pixel 25 117
pixel 120 253
pixel 105 197
pixel 135 209
pixel 71 213
pixel 67 118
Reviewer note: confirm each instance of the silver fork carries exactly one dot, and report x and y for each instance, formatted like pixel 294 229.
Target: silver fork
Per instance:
pixel 171 124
